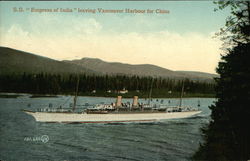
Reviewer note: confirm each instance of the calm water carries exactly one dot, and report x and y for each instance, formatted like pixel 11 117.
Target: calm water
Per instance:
pixel 24 139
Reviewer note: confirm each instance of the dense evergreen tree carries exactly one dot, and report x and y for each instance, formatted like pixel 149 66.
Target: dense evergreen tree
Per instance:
pixel 65 84
pixel 227 136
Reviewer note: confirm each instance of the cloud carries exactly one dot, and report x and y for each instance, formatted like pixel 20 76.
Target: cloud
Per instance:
pixel 64 37
pixel 171 50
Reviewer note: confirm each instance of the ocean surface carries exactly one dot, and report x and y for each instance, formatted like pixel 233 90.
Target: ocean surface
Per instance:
pixel 24 139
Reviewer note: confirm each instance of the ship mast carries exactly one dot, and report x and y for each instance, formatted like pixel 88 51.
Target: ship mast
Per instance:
pixel 182 91
pixel 150 92
pixel 75 97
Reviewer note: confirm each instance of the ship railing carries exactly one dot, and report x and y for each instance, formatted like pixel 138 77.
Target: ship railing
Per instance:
pixel 59 110
pixel 103 106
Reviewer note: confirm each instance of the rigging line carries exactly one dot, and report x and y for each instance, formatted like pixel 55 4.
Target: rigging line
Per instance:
pixel 65 101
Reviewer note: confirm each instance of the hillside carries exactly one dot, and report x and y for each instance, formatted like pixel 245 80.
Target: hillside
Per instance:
pixel 15 61
pixel 141 70
pixel 198 74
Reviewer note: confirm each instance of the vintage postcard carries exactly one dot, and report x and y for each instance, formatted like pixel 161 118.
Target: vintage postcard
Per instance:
pixel 106 80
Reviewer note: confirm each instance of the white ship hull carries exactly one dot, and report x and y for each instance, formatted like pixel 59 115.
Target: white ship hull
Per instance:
pixel 107 118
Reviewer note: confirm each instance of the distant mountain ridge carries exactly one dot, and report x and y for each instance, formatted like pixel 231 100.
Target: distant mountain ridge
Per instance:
pixel 15 61
pixel 140 70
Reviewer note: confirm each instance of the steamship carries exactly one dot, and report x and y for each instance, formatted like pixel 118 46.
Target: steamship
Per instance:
pixel 114 112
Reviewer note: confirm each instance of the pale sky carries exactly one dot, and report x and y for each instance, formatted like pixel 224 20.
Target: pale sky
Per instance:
pixel 180 40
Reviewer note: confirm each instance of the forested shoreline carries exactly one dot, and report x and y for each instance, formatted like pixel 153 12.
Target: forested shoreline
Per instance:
pixel 105 85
